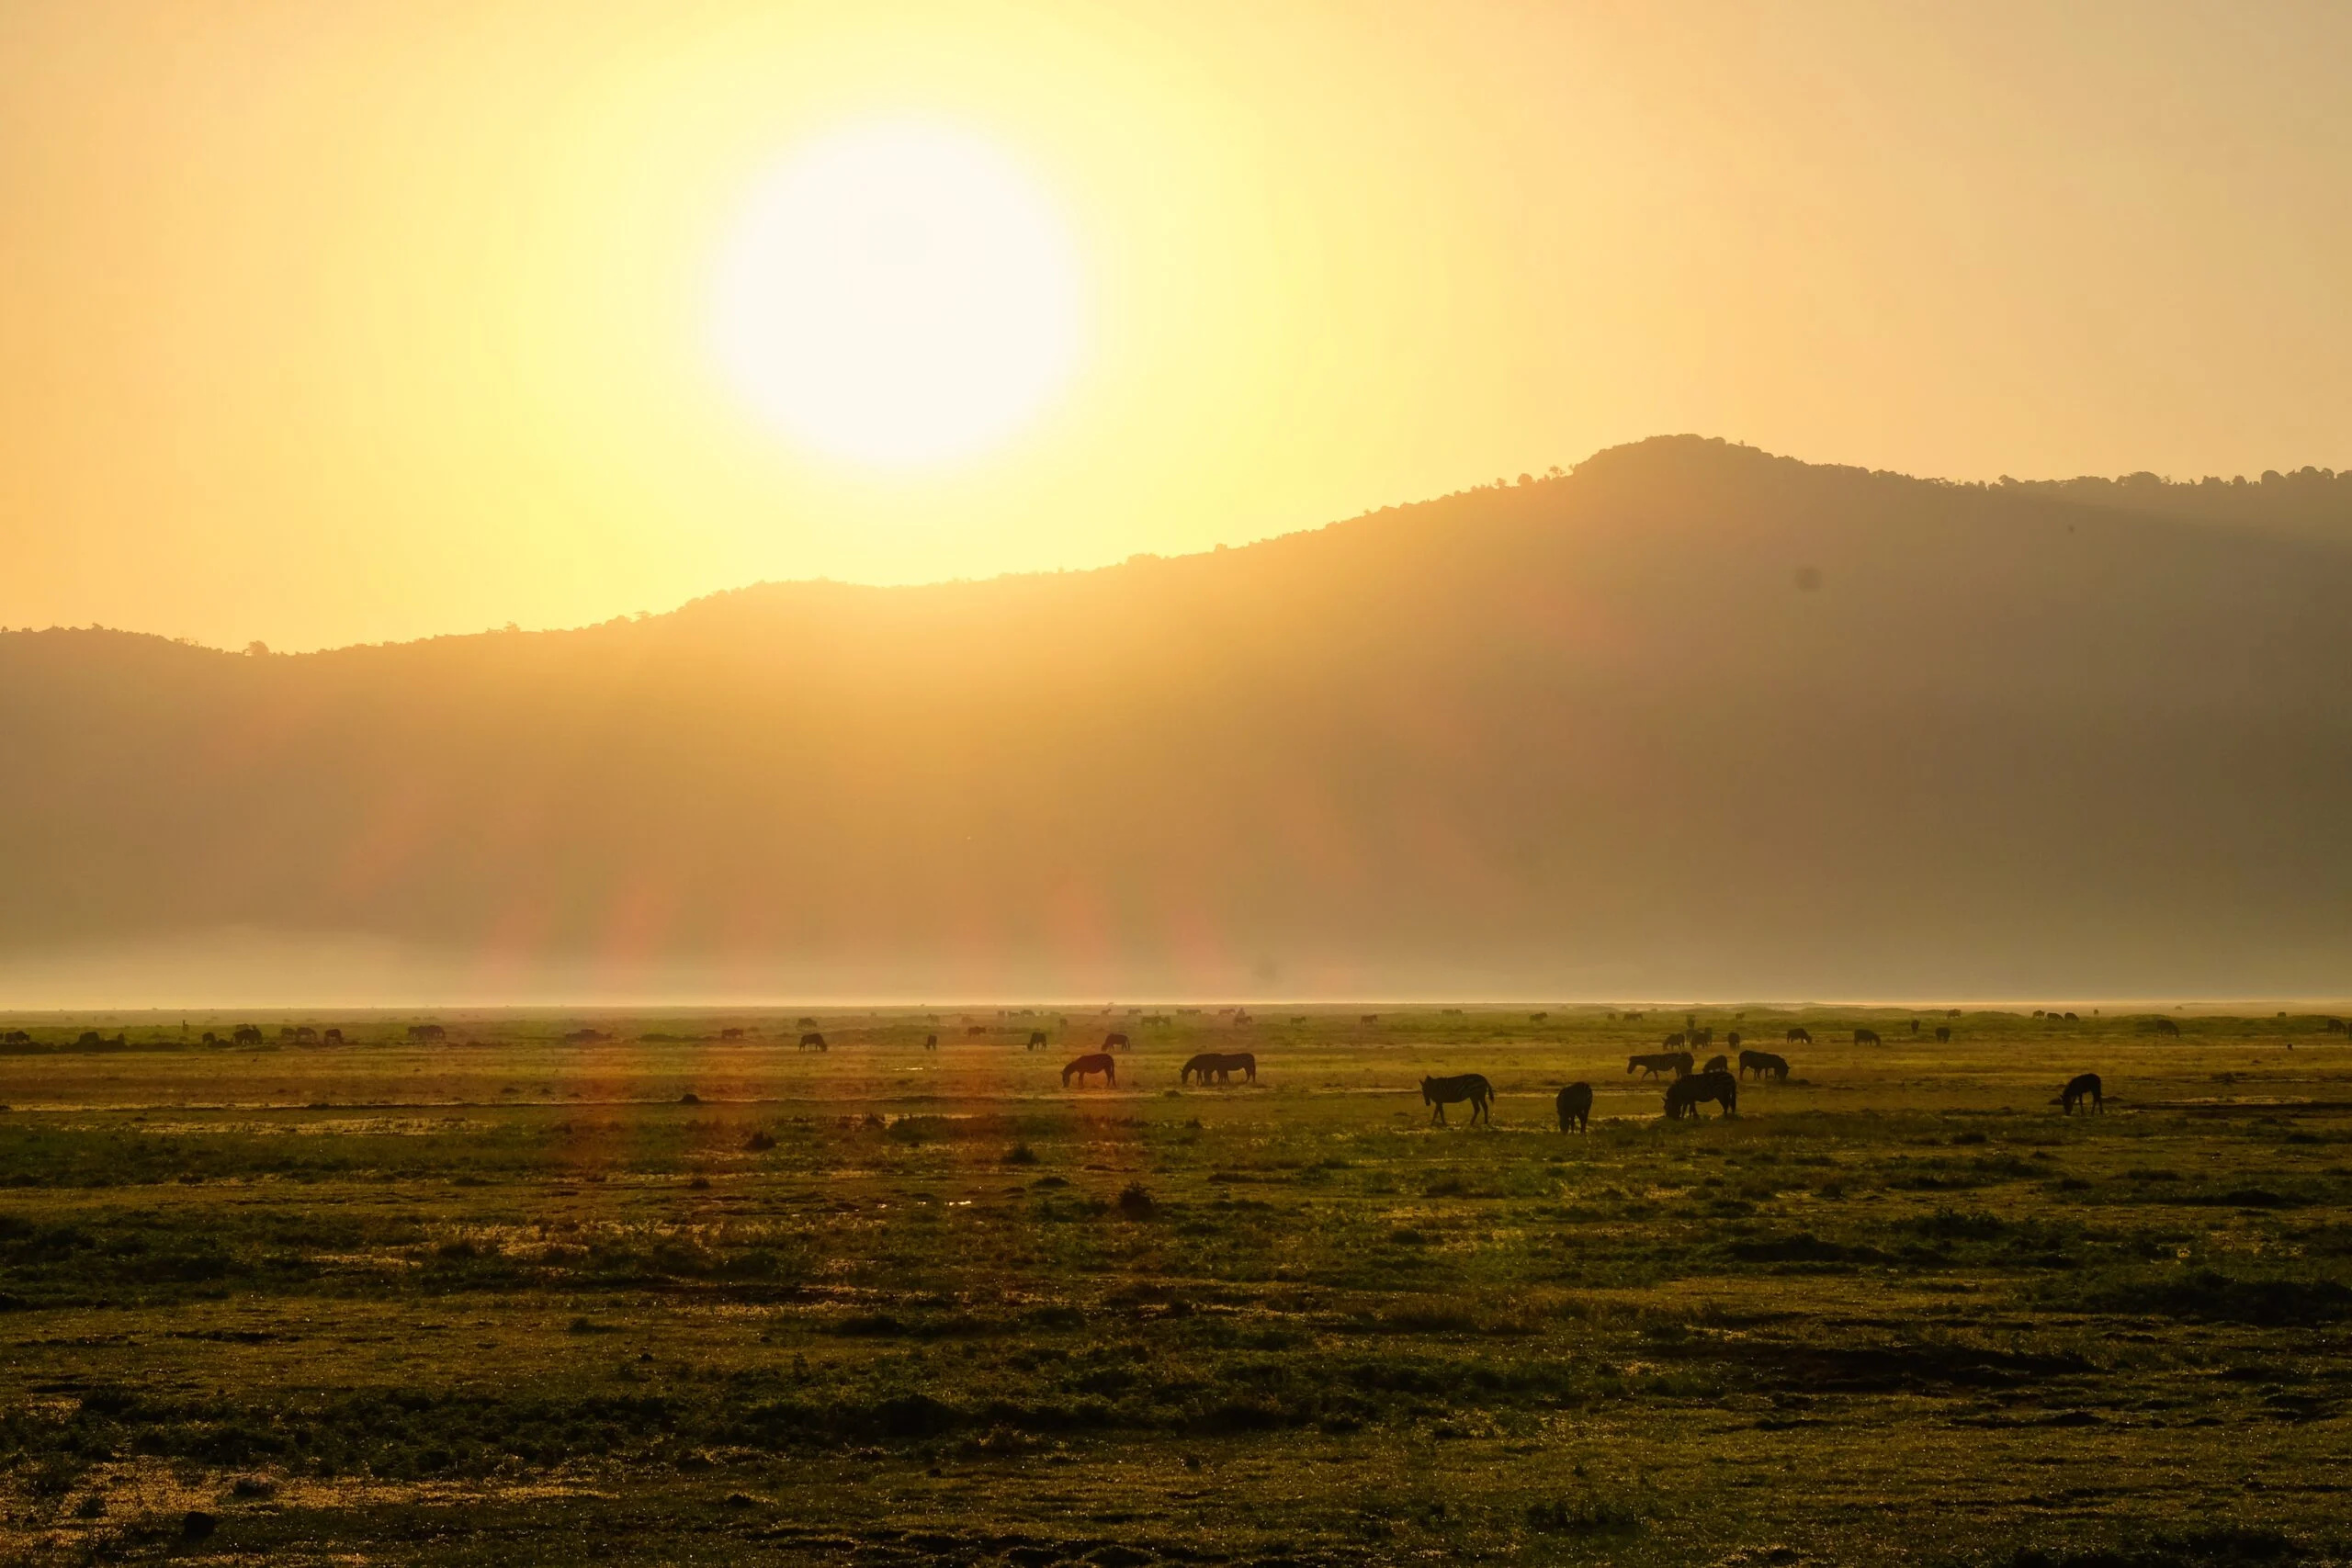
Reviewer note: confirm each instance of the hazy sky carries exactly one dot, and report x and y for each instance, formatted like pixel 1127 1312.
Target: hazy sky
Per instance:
pixel 323 323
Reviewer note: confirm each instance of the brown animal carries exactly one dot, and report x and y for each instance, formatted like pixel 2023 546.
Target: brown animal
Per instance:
pixel 1718 1063
pixel 1763 1061
pixel 1943 1034
pixel 1100 1062
pixel 2086 1087
pixel 976 1029
pixel 1576 1105
pixel 1657 1061
pixel 1798 1037
pixel 332 1037
pixel 2166 1026
pixel 1037 1039
pixel 1866 1037
pixel 1731 1040
pixel 1224 1063
pixel 250 1035
pixel 427 1031
pixel 1674 1041
pixel 1684 1096
pixel 812 1040
pixel 2329 1026
pixel 931 1042
pixel 1114 1041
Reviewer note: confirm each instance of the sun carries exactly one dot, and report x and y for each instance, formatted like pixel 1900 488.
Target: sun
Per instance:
pixel 899 294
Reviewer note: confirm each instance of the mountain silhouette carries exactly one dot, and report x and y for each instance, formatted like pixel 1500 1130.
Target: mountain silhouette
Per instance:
pixel 1691 721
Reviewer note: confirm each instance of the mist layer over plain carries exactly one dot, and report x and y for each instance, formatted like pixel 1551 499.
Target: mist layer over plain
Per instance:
pixel 1692 721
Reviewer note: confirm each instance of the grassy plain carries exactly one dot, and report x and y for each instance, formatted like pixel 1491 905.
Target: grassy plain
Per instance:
pixel 509 1299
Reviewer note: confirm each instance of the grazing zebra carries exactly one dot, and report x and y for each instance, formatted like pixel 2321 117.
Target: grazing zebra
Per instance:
pixel 1036 1041
pixel 1576 1105
pixel 1866 1037
pixel 1719 1064
pixel 931 1042
pixel 1943 1034
pixel 1100 1062
pixel 1798 1037
pixel 812 1040
pixel 1684 1096
pixel 2085 1087
pixel 1763 1061
pixel 1657 1061
pixel 1224 1063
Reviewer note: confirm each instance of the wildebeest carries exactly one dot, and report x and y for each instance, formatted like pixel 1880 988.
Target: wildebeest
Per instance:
pixel 1674 1041
pixel 1798 1037
pixel 1114 1041
pixel 1224 1063
pixel 1943 1034
pixel 806 1023
pixel 1036 1041
pixel 2166 1026
pixel 1731 1040
pixel 2328 1026
pixel 1657 1061
pixel 1763 1061
pixel 1439 1093
pixel 1717 1064
pixel 1684 1096
pixel 931 1042
pixel 2079 1088
pixel 332 1037
pixel 1576 1105
pixel 1702 1037
pixel 1100 1062
pixel 812 1040
pixel 1866 1037
pixel 427 1031
pixel 250 1035
pixel 976 1029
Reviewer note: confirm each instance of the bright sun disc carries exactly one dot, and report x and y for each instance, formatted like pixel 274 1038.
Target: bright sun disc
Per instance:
pixel 899 294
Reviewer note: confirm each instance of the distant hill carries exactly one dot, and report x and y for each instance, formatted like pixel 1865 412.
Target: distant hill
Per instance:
pixel 1692 720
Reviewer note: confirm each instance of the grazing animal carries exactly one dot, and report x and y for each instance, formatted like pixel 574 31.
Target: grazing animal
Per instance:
pixel 2166 1026
pixel 1657 1061
pixel 1702 1037
pixel 1866 1037
pixel 812 1040
pixel 2330 1026
pixel 1114 1041
pixel 808 1023
pixel 332 1037
pixel 1224 1063
pixel 1674 1041
pixel 1684 1096
pixel 1439 1093
pixel 1943 1034
pixel 1717 1064
pixel 427 1031
pixel 931 1042
pixel 2085 1087
pixel 976 1029
pixel 1037 1039
pixel 1798 1037
pixel 1763 1061
pixel 1100 1062
pixel 1537 1017
pixel 1635 1017
pixel 1576 1105
pixel 1731 1040
pixel 248 1034
pixel 1369 1018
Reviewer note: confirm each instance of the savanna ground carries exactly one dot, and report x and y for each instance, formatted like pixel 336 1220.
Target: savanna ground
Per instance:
pixel 507 1299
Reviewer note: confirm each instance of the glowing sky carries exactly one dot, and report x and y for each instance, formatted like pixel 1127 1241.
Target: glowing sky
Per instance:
pixel 326 323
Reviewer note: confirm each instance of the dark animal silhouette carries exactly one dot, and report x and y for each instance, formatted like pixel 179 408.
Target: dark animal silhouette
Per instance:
pixel 1866 1037
pixel 976 1029
pixel 1576 1105
pixel 1537 1017
pixel 1115 1042
pixel 2166 1026
pixel 1657 1061
pixel 1798 1037
pixel 1037 1039
pixel 2330 1026
pixel 931 1042
pixel 732 1031
pixel 1763 1061
pixel 1100 1062
pixel 1684 1096
pixel 2078 1089
pixel 812 1040
pixel 1731 1040
pixel 1943 1034
pixel 1674 1041
pixel 1702 1037
pixel 332 1037
pixel 1439 1093
pixel 250 1035
pixel 1224 1063
pixel 1369 1018
pixel 1717 1064
pixel 427 1031
pixel 1915 1026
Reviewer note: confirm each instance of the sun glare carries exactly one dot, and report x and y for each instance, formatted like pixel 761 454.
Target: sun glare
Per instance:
pixel 899 294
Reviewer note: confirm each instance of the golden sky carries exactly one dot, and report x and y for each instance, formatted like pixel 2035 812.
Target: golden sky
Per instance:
pixel 323 323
